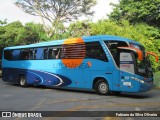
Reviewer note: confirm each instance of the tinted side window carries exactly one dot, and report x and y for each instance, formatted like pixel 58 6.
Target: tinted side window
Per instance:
pixel 26 54
pixel 12 54
pixel 113 47
pixel 15 54
pixel 8 54
pixel 40 53
pixel 51 53
pixel 94 50
pixel 54 52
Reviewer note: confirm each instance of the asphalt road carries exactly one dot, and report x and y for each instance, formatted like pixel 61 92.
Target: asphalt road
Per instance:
pixel 16 98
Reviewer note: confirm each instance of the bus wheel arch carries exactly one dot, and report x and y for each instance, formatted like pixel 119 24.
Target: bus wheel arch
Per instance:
pixel 101 86
pixel 23 80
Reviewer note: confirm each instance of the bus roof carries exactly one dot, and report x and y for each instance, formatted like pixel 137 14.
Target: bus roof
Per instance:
pixel 85 38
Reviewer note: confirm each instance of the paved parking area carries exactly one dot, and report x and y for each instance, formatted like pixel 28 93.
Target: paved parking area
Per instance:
pixel 16 98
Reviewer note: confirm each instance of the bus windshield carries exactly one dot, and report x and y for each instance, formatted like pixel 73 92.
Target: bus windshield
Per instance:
pixel 144 66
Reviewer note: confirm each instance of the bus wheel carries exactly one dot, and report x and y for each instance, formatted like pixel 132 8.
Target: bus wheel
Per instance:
pixel 102 87
pixel 23 81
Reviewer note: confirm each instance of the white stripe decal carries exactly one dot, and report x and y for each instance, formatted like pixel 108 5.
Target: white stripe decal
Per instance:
pixel 61 81
pixel 37 75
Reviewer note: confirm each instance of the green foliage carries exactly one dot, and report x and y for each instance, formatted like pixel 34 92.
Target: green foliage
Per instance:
pixel 31 33
pixel 16 34
pixel 76 29
pixel 9 33
pixel 157 79
pixel 145 19
pixel 136 11
pixel 79 29
pixel 59 31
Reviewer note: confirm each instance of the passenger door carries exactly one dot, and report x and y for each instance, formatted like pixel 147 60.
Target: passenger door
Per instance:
pixel 127 69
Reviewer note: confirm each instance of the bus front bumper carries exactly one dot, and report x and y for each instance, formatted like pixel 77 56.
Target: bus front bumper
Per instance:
pixel 144 87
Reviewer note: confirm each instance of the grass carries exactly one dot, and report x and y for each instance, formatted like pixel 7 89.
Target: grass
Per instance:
pixel 157 80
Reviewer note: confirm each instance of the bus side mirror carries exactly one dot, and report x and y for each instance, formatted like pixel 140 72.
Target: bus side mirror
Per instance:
pixel 153 54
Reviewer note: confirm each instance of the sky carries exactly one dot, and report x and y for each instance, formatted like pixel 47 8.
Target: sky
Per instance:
pixel 12 13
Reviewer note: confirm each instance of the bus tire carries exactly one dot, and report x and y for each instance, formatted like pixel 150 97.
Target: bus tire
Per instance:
pixel 23 81
pixel 102 87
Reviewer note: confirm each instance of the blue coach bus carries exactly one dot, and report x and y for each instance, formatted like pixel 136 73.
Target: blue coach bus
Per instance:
pixel 101 63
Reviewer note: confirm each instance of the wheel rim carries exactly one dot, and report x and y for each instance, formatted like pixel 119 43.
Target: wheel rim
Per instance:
pixel 103 88
pixel 22 82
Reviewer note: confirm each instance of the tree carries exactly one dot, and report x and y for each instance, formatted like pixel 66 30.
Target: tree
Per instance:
pixel 37 29
pixel 3 22
pixel 56 11
pixel 30 33
pixel 16 34
pixel 137 11
pixel 10 31
pixel 79 28
pixel 148 36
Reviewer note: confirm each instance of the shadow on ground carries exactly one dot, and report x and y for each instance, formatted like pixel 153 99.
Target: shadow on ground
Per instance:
pixel 122 95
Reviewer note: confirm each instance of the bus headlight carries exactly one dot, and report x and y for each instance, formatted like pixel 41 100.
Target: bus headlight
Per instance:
pixel 139 80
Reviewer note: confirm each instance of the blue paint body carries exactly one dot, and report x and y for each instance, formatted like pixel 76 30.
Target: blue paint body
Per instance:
pixel 54 73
